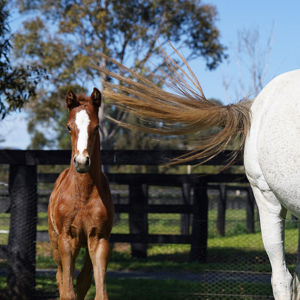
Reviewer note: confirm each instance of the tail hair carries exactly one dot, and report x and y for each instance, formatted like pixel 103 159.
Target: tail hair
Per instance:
pixel 184 111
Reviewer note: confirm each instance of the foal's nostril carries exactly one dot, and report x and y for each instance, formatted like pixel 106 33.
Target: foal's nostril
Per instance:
pixel 74 161
pixel 87 163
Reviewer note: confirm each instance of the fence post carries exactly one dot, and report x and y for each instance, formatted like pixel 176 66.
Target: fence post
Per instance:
pixel 138 218
pixel 221 210
pixel 22 236
pixel 200 223
pixel 185 218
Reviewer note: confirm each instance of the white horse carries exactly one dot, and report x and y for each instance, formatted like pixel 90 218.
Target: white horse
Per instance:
pixel 269 128
pixel 272 164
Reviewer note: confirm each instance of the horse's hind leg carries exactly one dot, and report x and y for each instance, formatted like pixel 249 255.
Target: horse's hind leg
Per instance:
pixel 54 244
pixel 59 269
pixel 84 278
pixel 272 216
pixel 296 283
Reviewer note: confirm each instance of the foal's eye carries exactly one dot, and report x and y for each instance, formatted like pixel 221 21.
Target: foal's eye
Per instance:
pixel 96 128
pixel 68 128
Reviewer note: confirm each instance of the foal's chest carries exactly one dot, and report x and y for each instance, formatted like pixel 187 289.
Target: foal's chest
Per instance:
pixel 80 213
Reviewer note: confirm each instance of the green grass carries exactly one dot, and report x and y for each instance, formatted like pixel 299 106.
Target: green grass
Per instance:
pixel 244 252
pixel 170 223
pixel 236 251
pixel 136 289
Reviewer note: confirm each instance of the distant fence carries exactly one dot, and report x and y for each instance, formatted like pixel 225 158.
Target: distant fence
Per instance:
pixel 23 180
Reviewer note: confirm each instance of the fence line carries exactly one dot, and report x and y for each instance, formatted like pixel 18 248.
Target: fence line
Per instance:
pixel 23 180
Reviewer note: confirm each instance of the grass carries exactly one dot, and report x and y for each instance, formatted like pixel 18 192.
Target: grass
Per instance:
pixel 170 223
pixel 136 289
pixel 236 251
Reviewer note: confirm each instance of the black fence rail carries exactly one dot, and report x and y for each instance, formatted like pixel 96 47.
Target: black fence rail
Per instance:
pixel 23 180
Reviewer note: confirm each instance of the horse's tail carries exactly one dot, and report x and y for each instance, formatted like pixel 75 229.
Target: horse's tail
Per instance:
pixel 187 111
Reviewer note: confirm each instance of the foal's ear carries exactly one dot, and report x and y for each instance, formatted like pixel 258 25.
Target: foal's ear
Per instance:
pixel 71 100
pixel 96 97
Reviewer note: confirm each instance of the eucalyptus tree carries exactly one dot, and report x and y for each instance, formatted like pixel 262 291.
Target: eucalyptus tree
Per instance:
pixel 17 84
pixel 67 36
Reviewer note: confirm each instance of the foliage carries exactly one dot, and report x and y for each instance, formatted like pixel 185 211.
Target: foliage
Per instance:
pixel 17 84
pixel 67 36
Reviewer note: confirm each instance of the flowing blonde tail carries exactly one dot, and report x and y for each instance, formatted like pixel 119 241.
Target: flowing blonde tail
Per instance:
pixel 186 111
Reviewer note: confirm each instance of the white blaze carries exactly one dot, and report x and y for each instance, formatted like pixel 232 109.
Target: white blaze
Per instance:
pixel 82 121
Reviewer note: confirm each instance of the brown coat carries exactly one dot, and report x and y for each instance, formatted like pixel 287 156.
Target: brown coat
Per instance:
pixel 80 212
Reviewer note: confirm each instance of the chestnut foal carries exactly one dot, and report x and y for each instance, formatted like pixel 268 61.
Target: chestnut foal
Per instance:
pixel 80 212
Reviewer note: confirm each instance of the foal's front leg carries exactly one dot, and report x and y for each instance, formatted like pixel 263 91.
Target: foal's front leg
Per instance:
pixel 67 255
pixel 99 252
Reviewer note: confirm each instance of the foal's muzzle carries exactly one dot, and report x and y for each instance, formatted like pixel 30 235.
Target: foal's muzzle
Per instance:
pixel 82 163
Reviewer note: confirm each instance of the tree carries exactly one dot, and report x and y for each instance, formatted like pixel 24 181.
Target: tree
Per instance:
pixel 249 42
pixel 252 60
pixel 17 84
pixel 66 37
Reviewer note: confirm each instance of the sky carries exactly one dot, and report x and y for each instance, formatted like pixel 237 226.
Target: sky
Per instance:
pixel 270 18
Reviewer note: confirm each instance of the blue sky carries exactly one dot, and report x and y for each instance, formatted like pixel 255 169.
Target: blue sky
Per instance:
pixel 234 16
pixel 265 16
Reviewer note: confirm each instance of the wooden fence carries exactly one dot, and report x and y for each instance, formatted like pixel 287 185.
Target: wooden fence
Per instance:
pixel 23 180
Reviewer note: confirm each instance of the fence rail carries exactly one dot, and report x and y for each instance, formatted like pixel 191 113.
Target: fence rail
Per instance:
pixel 23 180
pixel 109 157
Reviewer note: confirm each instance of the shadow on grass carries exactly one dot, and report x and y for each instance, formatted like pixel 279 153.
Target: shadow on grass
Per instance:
pixel 218 259
pixel 134 289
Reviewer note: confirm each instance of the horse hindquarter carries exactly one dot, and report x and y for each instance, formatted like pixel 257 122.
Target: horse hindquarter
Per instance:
pixel 272 165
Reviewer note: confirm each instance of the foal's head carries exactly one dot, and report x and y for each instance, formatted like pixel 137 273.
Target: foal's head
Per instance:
pixel 83 125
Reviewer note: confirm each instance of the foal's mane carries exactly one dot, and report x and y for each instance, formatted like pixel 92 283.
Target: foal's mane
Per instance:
pixel 183 111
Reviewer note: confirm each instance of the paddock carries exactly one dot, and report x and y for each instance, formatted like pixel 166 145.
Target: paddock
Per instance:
pixel 191 235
